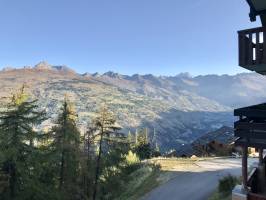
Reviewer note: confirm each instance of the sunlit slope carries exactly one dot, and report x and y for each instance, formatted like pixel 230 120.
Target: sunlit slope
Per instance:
pixel 177 108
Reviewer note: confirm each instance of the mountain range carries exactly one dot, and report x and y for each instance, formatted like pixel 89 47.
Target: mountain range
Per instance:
pixel 176 109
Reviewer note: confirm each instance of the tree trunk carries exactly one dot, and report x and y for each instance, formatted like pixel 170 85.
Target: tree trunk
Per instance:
pixel 87 184
pixel 245 167
pixel 62 167
pixel 98 166
pixel 12 182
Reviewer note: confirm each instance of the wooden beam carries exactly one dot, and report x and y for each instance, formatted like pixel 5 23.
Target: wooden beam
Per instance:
pixel 250 49
pixel 241 142
pixel 264 45
pixel 258 52
pixel 261 156
pixel 245 167
pixel 252 30
pixel 251 5
pixel 241 49
pixel 248 125
pixel 250 113
pixel 250 134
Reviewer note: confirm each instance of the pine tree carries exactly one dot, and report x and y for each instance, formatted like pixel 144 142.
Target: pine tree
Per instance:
pixel 143 147
pixel 136 137
pixel 17 141
pixel 88 161
pixel 156 149
pixel 105 123
pixel 65 145
pixel 130 138
pixel 146 135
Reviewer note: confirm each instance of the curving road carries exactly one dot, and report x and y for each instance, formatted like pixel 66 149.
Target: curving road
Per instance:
pixel 196 184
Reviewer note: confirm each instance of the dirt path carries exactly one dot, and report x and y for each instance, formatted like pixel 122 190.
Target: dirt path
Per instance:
pixel 197 183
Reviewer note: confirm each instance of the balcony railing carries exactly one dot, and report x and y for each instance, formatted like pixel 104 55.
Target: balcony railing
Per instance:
pixel 252 49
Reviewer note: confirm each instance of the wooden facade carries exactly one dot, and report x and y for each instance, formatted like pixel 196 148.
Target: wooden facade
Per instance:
pixel 251 125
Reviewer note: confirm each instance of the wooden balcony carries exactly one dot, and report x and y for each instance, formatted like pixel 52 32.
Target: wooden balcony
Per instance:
pixel 252 49
pixel 251 126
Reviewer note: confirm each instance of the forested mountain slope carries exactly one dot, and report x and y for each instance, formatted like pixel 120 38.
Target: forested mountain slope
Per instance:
pixel 175 109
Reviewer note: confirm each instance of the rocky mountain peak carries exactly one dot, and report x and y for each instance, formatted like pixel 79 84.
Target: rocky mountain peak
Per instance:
pixel 149 76
pixel 136 77
pixel 63 68
pixel 43 65
pixel 87 74
pixel 46 66
pixel 96 74
pixel 184 75
pixel 112 74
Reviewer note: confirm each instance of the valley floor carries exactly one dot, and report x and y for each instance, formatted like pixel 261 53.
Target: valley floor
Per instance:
pixel 194 181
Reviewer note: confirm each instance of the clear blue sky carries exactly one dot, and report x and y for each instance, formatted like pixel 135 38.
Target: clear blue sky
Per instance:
pixel 127 36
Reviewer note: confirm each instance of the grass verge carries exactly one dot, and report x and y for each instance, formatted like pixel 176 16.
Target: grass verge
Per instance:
pixel 142 181
pixel 218 196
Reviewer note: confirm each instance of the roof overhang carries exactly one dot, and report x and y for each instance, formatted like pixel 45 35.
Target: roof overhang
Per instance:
pixel 257 8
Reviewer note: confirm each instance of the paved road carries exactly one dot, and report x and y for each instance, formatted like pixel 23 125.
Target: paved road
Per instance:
pixel 197 184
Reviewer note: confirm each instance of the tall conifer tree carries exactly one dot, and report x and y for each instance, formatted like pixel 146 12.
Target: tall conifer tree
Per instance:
pixel 105 123
pixel 66 141
pixel 17 141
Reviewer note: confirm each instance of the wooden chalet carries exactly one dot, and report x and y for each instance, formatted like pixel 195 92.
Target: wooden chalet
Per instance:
pixel 251 126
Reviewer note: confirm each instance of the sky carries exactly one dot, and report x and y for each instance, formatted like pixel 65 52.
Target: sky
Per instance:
pixel 161 37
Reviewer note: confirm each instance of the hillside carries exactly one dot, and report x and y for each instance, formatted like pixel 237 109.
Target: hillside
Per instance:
pixel 223 135
pixel 178 109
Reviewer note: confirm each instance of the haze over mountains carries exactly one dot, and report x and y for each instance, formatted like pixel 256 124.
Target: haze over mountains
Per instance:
pixel 178 109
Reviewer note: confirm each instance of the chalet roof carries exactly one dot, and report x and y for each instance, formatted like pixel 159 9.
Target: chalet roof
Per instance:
pixel 257 8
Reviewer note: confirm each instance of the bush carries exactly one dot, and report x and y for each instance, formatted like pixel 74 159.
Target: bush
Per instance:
pixel 132 158
pixel 156 154
pixel 227 184
pixel 144 151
